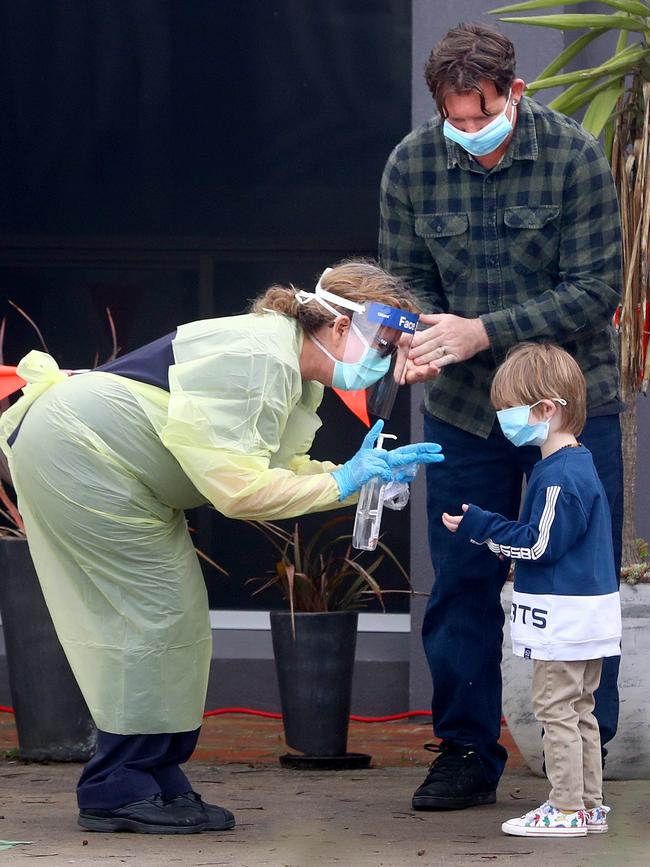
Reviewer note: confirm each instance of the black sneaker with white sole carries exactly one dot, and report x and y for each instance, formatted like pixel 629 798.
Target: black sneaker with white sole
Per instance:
pixel 456 780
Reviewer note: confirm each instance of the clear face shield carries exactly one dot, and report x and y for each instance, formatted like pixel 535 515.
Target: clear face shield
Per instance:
pixel 376 350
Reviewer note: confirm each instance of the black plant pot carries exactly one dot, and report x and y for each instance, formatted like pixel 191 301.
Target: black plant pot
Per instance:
pixel 52 718
pixel 315 679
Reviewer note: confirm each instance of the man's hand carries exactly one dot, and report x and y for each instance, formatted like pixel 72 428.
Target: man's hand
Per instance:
pixel 450 339
pixel 451 522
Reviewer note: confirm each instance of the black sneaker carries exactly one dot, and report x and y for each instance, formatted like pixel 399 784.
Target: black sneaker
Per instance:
pixel 149 816
pixel 217 818
pixel 456 780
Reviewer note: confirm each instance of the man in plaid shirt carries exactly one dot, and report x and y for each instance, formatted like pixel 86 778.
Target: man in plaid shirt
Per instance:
pixel 502 216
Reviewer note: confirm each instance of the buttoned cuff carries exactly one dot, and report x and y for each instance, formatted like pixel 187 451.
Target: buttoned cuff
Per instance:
pixel 501 333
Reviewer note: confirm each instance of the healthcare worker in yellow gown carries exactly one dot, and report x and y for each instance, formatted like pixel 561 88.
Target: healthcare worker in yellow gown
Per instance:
pixel 104 463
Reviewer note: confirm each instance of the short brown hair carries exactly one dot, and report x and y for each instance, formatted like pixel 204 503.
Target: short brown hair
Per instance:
pixel 539 371
pixel 468 55
pixel 357 280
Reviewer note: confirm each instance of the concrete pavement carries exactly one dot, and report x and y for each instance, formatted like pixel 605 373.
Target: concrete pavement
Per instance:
pixel 313 819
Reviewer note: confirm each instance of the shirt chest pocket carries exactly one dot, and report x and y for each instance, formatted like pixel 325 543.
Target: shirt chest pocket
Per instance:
pixel 447 237
pixel 532 238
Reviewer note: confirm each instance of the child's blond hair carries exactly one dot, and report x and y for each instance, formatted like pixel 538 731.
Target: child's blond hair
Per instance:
pixel 538 371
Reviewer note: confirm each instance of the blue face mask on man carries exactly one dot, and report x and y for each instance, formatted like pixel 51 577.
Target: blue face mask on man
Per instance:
pixel 515 427
pixel 357 375
pixel 485 140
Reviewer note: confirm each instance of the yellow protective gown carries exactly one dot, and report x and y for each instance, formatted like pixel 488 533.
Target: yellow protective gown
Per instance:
pixel 104 466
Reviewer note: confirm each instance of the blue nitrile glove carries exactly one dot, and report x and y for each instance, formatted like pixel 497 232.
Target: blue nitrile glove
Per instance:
pixel 406 459
pixel 406 474
pixel 368 463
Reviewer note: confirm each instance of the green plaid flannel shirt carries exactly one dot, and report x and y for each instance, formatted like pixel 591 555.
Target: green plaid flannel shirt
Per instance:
pixel 532 247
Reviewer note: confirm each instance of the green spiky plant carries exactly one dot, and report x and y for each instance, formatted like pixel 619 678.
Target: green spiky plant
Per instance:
pixel 615 99
pixel 324 572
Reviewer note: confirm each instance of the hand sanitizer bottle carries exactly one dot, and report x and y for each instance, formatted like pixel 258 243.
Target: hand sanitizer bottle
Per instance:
pixel 367 521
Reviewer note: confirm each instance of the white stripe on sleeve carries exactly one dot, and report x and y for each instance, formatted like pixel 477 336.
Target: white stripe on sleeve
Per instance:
pixel 545 524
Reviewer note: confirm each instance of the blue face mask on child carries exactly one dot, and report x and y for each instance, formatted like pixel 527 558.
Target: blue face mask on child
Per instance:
pixel 485 140
pixel 357 375
pixel 515 427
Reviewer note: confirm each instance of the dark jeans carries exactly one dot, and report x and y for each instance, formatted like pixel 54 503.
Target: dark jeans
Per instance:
pixel 128 768
pixel 463 624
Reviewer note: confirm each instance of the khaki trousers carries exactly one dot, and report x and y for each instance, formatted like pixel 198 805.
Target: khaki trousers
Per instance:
pixel 563 701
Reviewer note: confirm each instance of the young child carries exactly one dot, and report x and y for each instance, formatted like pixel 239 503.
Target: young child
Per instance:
pixel 565 606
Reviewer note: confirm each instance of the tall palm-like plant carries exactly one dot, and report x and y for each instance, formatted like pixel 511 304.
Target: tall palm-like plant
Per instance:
pixel 615 98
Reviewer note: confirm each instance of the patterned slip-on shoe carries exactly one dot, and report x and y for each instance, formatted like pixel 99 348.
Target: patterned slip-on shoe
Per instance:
pixel 597 820
pixel 548 821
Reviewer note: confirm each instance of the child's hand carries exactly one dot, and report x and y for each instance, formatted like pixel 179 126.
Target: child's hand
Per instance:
pixel 451 522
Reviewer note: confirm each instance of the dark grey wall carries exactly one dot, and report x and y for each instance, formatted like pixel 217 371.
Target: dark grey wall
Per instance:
pixel 169 160
pixel 242 673
pixel 433 18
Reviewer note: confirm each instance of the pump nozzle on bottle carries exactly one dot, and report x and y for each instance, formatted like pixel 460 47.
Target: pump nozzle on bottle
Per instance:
pixel 382 437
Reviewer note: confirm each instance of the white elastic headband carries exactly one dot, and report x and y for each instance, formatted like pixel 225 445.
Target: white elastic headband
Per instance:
pixel 322 296
pixel 559 400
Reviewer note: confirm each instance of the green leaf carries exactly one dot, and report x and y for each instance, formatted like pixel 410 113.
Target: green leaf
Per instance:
pixel 352 599
pixel 581 22
pixel 369 580
pixel 580 101
pixel 567 100
pixel 621 42
pixel 601 107
pixel 626 61
pixel 579 95
pixel 570 52
pixel 633 7
pixel 534 4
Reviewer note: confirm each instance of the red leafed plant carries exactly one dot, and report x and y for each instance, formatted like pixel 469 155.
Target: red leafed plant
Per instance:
pixel 323 573
pixel 12 523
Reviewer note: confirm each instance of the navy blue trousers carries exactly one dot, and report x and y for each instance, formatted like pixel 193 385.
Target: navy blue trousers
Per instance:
pixel 128 768
pixel 462 631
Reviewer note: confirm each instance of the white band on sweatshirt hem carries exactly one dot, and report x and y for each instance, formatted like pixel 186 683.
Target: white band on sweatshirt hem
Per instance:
pixel 571 651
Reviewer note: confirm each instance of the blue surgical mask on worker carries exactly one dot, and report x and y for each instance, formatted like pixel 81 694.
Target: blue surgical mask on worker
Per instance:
pixel 357 375
pixel 485 140
pixel 515 427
